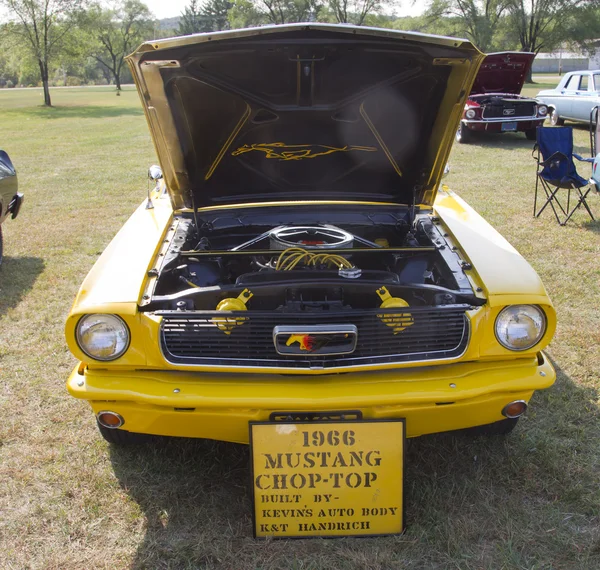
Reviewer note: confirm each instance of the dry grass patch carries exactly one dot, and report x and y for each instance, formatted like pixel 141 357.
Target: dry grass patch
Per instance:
pixel 69 501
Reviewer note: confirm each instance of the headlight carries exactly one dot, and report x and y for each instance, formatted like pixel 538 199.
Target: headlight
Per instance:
pixel 102 337
pixel 542 110
pixel 470 114
pixel 519 327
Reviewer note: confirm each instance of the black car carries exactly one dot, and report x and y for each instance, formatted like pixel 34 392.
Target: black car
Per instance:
pixel 10 199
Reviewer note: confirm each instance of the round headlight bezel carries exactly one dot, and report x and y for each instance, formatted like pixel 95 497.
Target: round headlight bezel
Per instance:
pixel 101 316
pixel 470 113
pixel 542 110
pixel 516 308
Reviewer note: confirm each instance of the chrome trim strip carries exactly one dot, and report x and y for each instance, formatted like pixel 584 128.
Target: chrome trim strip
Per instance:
pixel 506 119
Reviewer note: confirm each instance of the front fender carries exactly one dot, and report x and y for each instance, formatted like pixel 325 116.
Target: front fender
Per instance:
pixel 116 282
pixel 506 278
pixel 502 269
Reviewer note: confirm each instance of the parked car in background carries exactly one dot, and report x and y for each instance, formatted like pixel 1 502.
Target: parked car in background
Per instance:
pixel 573 98
pixel 304 257
pixel 495 104
pixel 10 199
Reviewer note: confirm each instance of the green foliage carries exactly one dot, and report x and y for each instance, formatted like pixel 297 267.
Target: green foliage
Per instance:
pixel 9 64
pixel 191 19
pixel 475 19
pixel 215 14
pixel 541 24
pixel 211 17
pixel 355 11
pixel 247 13
pixel 583 29
pixel 244 14
pixel 289 11
pixel 42 29
pixel 114 33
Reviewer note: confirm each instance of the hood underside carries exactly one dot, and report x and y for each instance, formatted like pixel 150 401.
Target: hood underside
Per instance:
pixel 303 112
pixel 503 72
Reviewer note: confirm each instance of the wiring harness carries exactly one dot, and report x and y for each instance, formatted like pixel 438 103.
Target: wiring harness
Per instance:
pixel 294 256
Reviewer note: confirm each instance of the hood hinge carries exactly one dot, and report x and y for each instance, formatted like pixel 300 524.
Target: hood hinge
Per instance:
pixel 417 189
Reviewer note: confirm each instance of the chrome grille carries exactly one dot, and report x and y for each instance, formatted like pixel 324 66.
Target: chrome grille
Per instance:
pixel 201 339
pixel 519 109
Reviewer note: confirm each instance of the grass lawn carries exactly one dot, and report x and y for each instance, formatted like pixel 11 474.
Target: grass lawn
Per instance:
pixel 70 501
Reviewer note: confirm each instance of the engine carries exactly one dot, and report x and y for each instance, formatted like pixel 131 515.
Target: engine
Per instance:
pixel 301 267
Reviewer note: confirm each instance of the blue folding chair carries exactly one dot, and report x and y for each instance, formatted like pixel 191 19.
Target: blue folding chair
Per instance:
pixel 595 146
pixel 556 172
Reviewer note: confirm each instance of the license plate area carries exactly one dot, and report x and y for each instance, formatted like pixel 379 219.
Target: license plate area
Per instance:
pixel 509 127
pixel 340 416
pixel 328 478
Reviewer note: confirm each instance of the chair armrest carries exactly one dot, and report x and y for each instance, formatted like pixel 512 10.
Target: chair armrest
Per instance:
pixel 581 159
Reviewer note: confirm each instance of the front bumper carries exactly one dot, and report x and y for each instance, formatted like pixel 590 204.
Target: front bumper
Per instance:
pixel 219 406
pixel 495 124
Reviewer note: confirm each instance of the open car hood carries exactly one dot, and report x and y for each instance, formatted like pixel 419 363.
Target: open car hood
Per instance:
pixel 303 112
pixel 503 72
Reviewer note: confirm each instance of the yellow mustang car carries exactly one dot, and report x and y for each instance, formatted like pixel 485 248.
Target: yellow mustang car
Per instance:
pixel 298 259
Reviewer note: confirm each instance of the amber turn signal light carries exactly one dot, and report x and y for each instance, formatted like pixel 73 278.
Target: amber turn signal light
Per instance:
pixel 110 420
pixel 514 409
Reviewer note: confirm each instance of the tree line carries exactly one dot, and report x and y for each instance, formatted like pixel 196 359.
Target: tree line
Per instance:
pixel 81 41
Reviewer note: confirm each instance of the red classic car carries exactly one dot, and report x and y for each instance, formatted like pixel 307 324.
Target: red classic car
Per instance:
pixel 495 104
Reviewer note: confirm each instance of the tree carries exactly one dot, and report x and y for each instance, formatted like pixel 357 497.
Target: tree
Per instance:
pixel 539 24
pixel 212 17
pixel 42 27
pixel 289 11
pixel 191 19
pixel 117 32
pixel 245 14
pixel 478 19
pixel 354 11
pixel 215 14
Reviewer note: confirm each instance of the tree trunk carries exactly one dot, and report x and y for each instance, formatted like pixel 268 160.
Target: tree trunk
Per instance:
pixel 116 73
pixel 44 75
pixel 529 78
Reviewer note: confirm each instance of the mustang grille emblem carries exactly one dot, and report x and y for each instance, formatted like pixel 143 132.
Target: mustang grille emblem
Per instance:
pixel 319 340
pixel 508 112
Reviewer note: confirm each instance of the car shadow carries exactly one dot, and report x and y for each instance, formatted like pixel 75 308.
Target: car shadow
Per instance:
pixel 500 141
pixel 196 500
pixel 17 276
pixel 511 141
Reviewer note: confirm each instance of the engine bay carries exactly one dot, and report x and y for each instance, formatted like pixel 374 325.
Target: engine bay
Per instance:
pixel 236 264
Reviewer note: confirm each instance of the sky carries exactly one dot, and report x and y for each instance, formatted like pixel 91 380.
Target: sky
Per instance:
pixel 169 8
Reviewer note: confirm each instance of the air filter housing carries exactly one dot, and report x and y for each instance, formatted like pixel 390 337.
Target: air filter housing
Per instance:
pixel 310 237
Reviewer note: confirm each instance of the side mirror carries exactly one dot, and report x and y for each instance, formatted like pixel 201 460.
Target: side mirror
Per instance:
pixel 155 172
